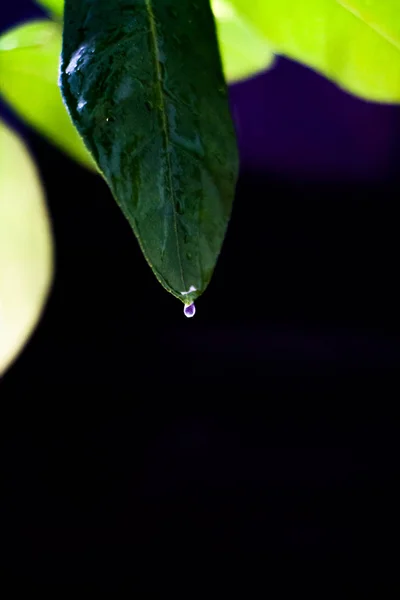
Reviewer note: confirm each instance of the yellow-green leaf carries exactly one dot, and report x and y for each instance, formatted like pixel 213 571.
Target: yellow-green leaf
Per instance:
pixel 55 7
pixel 26 261
pixel 29 65
pixel 327 36
pixel 381 15
pixel 244 51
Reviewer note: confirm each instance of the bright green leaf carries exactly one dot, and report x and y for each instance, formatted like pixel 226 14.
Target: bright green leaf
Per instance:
pixel 29 65
pixel 381 15
pixel 55 7
pixel 26 261
pixel 244 52
pixel 326 36
pixel 145 88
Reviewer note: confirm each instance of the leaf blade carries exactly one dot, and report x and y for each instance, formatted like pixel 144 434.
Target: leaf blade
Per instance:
pixel 155 115
pixel 244 51
pixel 26 256
pixel 382 16
pixel 54 7
pixel 325 36
pixel 29 65
pixel 249 30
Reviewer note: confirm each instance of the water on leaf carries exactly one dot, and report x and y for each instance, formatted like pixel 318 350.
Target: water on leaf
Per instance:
pixel 189 310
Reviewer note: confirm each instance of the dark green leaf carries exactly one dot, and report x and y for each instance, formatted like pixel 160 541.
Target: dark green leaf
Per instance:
pixel 244 51
pixel 144 86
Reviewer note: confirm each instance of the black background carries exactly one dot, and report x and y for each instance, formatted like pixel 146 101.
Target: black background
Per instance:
pixel 136 444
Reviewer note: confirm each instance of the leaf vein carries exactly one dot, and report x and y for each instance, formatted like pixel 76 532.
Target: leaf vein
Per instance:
pixel 159 87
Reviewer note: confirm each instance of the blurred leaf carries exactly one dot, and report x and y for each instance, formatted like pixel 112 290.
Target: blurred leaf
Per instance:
pixel 360 53
pixel 244 51
pixel 55 7
pixel 29 65
pixel 381 15
pixel 26 261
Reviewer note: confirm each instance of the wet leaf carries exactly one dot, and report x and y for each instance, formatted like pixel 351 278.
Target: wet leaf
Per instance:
pixel 25 247
pixel 29 66
pixel 244 52
pixel 145 88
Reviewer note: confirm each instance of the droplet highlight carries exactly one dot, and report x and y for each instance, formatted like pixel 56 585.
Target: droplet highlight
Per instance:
pixel 189 310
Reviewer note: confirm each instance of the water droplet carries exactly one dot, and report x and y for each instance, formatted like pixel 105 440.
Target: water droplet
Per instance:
pixel 189 255
pixel 189 310
pixel 81 104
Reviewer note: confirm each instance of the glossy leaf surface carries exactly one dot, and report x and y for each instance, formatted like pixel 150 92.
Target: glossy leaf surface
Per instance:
pixel 25 247
pixel 244 51
pixel 144 85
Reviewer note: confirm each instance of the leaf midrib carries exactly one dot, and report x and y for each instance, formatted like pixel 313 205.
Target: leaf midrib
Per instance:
pixel 276 50
pixel 166 137
pixel 373 28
